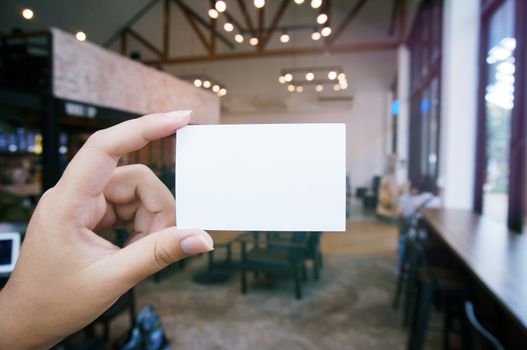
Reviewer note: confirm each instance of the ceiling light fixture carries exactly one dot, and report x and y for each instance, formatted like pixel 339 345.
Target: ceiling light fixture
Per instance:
pixel 322 18
pixel 310 76
pixel 282 80
pixel 216 88
pixel 336 87
pixel 206 84
pixel 290 88
pixel 228 27
pixel 213 13
pixel 319 87
pixel 299 2
pixel 326 31
pixel 284 37
pixel 238 38
pixel 299 88
pixel 220 6
pixel 332 75
pixel 316 3
pixel 222 92
pixel 315 36
pixel 28 13
pixel 253 41
pixel 197 82
pixel 288 77
pixel 259 3
pixel 81 36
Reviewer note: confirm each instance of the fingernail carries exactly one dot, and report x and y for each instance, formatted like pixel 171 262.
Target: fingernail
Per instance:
pixel 195 244
pixel 175 114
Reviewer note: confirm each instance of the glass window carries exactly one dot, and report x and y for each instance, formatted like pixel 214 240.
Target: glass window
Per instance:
pixel 499 102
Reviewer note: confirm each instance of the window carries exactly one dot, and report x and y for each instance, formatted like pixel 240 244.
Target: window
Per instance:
pixel 425 54
pixel 501 164
pixel 499 102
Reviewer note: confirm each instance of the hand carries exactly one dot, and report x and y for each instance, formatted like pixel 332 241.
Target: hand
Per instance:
pixel 67 275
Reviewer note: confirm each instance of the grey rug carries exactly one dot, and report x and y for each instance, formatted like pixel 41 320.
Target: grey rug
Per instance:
pixel 348 308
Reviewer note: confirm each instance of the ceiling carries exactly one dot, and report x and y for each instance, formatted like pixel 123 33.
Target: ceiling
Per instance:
pixel 102 19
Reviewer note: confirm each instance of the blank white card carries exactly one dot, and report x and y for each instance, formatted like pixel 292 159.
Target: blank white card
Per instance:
pixel 270 177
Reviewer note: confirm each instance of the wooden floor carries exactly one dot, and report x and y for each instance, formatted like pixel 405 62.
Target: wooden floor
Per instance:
pixel 362 238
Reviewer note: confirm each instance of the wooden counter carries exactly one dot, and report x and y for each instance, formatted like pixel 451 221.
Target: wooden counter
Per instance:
pixel 496 256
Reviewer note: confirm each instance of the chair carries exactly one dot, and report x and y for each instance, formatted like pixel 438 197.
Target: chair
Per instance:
pixel 126 303
pixel 275 256
pixel 214 273
pixel 430 283
pixel 313 253
pixel 481 339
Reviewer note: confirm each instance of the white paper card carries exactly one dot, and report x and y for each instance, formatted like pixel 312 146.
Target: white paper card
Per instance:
pixel 270 177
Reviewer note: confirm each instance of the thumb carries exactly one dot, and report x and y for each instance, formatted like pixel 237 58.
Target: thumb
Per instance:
pixel 157 250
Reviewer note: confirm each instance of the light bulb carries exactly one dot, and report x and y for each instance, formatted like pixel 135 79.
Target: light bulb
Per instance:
pixel 216 88
pixel 282 80
pixel 284 38
pixel 310 76
pixel 259 3
pixel 299 88
pixel 341 76
pixel 299 2
pixel 288 77
pixel 336 87
pixel 315 36
pixel 81 36
pixel 213 13
pixel 220 6
pixel 316 3
pixel 290 88
pixel 332 75
pixel 326 31
pixel 238 38
pixel 322 18
pixel 228 27
pixel 206 84
pixel 319 87
pixel 343 86
pixel 223 92
pixel 253 41
pixel 197 83
pixel 28 13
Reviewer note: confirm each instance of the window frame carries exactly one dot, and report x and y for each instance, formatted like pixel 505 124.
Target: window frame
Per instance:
pixel 517 189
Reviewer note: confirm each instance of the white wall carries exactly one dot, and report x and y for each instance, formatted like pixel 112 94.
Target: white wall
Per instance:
pixel 364 127
pixel 459 81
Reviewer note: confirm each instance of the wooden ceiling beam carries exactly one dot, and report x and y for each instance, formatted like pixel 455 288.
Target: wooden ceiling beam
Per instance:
pixel 145 42
pixel 124 44
pixel 345 48
pixel 166 28
pixel 347 20
pixel 205 24
pixel 246 15
pixel 276 19
pixel 194 26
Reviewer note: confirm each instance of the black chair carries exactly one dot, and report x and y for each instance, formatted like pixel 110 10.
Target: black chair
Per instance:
pixel 480 338
pixel 428 284
pixel 314 253
pixel 275 255
pixel 126 303
pixel 215 271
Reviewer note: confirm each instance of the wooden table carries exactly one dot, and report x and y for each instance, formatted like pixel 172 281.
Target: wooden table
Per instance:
pixel 496 256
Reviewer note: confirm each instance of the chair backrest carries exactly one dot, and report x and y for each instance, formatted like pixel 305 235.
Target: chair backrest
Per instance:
pixel 481 338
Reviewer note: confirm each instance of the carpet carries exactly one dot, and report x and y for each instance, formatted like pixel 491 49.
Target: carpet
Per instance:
pixel 348 308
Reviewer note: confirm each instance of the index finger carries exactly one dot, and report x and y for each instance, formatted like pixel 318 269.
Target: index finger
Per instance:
pixel 92 167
